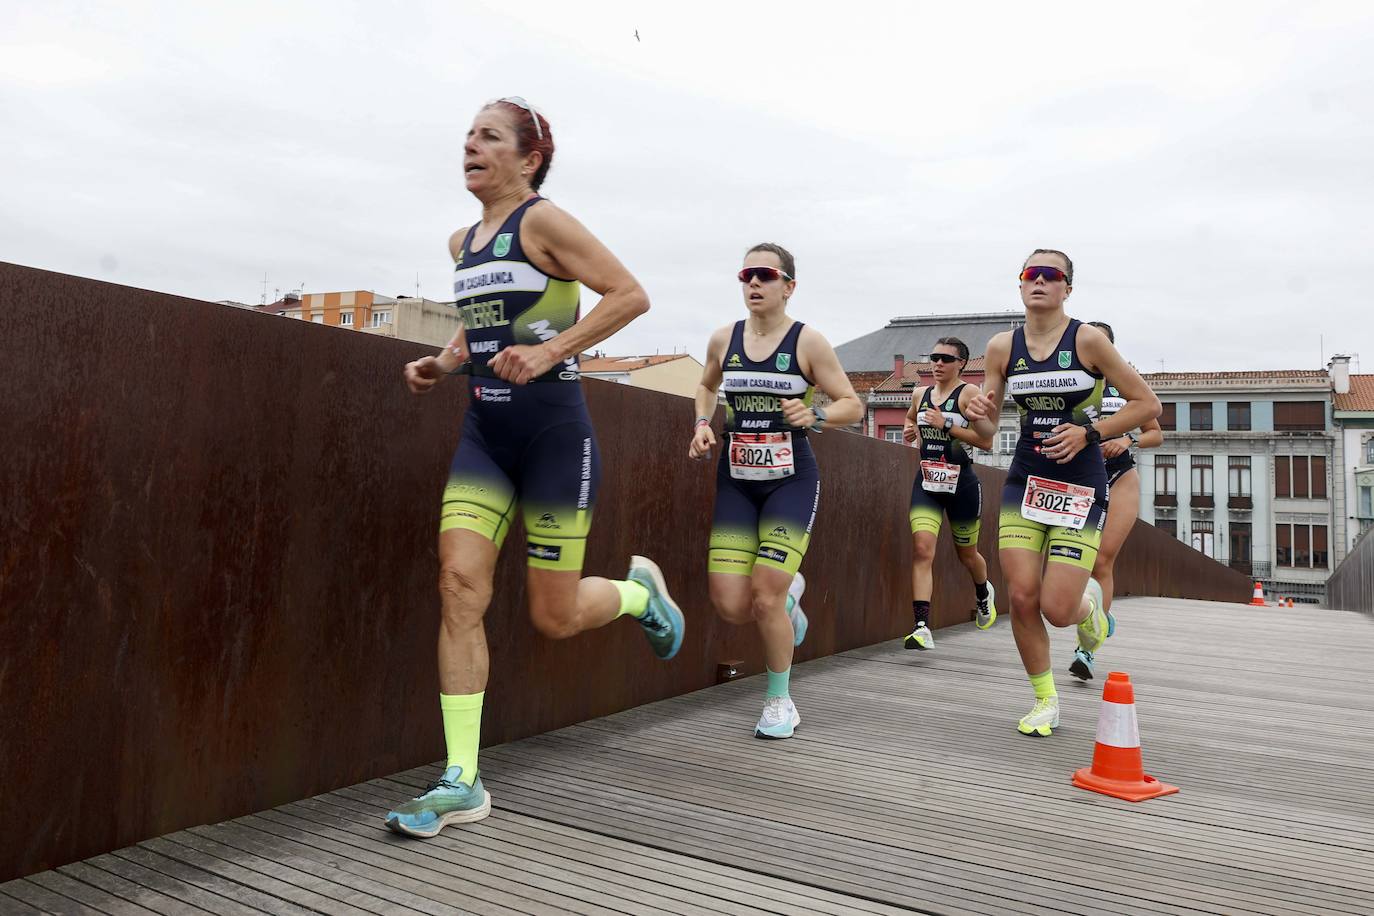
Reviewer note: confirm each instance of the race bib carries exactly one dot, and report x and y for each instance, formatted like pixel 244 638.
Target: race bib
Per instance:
pixel 1053 502
pixel 938 477
pixel 761 456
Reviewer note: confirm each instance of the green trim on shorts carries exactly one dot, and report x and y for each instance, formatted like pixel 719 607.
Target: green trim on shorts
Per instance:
pixel 1063 545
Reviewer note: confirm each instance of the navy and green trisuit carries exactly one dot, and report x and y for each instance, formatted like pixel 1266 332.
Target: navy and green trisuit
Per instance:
pixel 765 521
pixel 1112 401
pixel 532 444
pixel 929 502
pixel 1058 389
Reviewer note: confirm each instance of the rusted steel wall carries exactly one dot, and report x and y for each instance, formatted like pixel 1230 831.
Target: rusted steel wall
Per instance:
pixel 1351 586
pixel 218 565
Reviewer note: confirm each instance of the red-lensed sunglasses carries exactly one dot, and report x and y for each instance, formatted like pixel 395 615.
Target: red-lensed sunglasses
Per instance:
pixel 1049 274
pixel 765 274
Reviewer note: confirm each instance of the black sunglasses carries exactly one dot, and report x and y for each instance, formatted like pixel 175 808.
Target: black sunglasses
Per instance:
pixel 943 358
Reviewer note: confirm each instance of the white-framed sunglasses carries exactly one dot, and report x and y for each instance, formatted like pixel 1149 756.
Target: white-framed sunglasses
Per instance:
pixel 517 100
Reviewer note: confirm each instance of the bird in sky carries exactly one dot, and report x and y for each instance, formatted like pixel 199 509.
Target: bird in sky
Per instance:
pixel 637 38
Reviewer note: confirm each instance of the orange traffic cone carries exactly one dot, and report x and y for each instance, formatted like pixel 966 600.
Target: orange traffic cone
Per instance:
pixel 1117 770
pixel 1258 600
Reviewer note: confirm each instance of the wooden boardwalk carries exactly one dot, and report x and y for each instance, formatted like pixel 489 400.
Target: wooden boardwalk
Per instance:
pixel 907 789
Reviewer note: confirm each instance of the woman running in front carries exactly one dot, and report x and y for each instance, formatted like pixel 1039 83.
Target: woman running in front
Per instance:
pixel 946 485
pixel 1054 500
pixel 1123 499
pixel 767 482
pixel 527 437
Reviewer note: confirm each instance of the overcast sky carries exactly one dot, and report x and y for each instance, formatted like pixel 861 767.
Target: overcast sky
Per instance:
pixel 1209 167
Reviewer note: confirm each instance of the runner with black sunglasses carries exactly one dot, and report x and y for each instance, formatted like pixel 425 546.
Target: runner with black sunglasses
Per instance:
pixel 1123 505
pixel 527 438
pixel 946 484
pixel 767 480
pixel 1055 497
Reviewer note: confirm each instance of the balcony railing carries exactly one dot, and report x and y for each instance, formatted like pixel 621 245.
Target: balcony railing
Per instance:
pixel 1201 501
pixel 1166 499
pixel 1240 502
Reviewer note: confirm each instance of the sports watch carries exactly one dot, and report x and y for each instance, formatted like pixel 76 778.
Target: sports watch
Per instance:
pixel 819 413
pixel 1092 435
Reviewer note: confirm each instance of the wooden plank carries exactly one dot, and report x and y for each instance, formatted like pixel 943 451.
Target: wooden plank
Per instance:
pixel 63 884
pixel 114 886
pixel 43 900
pixel 189 893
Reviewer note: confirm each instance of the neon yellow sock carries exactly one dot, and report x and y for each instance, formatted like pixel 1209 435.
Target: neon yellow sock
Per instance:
pixel 1044 685
pixel 634 598
pixel 462 730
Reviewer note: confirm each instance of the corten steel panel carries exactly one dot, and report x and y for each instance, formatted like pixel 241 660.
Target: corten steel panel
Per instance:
pixel 218 565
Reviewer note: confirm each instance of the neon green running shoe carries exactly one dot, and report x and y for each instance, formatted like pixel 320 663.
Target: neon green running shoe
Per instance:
pixel 987 610
pixel 920 638
pixel 1099 624
pixel 447 801
pixel 1043 718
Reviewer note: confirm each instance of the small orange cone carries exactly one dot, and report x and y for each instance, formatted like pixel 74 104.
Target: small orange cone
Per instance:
pixel 1290 602
pixel 1117 769
pixel 1258 600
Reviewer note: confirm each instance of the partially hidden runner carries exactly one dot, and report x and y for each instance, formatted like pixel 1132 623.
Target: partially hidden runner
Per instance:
pixel 1123 499
pixel 526 438
pixel 1055 497
pixel 946 484
pixel 767 480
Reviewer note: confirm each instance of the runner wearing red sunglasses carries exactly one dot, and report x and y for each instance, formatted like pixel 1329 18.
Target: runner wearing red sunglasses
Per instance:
pixel 1055 496
pixel 767 481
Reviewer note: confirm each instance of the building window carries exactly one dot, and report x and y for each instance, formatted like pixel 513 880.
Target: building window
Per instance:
pixel 1202 475
pixel 1319 477
pixel 892 434
pixel 1169 525
pixel 1239 475
pixel 1283 477
pixel 346 319
pixel 1301 546
pixel 1300 479
pixel 1238 415
pixel 1283 541
pixel 1200 415
pixel 1319 547
pixel 1369 452
pixel 1168 416
pixel 1240 546
pixel 1292 416
pixel 1203 532
pixel 1366 502
pixel 1007 445
pixel 1300 476
pixel 317 319
pixel 380 318
pixel 1166 475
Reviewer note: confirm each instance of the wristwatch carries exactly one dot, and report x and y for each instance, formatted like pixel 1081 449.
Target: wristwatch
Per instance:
pixel 1134 439
pixel 949 423
pixel 1093 436
pixel 819 413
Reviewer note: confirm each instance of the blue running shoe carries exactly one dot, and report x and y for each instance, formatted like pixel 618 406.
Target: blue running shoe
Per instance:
pixel 448 801
pixel 797 615
pixel 1082 665
pixel 779 719
pixel 663 623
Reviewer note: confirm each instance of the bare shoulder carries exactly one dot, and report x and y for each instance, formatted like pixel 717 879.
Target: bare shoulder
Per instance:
pixel 1000 342
pixel 720 338
pixel 455 241
pixel 812 340
pixel 545 218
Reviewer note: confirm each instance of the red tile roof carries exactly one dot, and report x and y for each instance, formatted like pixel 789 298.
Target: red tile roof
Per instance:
pixel 1275 374
pixel 1360 397
pixel 914 374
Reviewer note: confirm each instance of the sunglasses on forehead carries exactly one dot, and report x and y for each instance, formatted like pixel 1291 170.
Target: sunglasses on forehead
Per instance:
pixel 516 100
pixel 943 358
pixel 1049 274
pixel 765 274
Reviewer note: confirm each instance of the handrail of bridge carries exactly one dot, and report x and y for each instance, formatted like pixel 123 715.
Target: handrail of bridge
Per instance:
pixel 1351 586
pixel 218 570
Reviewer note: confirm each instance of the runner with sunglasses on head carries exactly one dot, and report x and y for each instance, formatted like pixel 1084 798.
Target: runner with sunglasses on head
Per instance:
pixel 1055 497
pixel 946 485
pixel 767 481
pixel 526 437
pixel 1123 505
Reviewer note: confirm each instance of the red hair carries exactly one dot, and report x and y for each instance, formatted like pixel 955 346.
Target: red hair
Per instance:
pixel 527 136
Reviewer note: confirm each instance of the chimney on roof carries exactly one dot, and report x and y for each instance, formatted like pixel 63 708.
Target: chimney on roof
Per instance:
pixel 1339 369
pixel 292 296
pixel 898 365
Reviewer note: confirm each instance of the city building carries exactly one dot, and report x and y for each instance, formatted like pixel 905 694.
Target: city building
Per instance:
pixel 404 317
pixel 1352 403
pixel 675 373
pixel 1245 473
pixel 915 336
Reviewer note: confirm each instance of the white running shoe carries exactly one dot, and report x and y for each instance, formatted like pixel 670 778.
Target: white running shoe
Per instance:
pixel 1042 719
pixel 779 718
pixel 920 638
